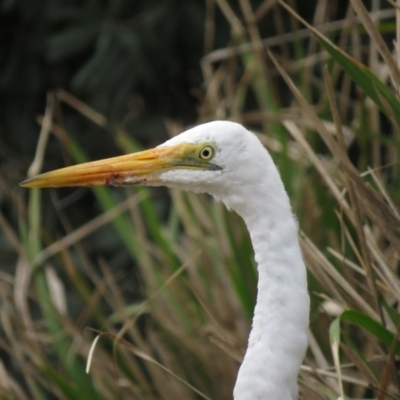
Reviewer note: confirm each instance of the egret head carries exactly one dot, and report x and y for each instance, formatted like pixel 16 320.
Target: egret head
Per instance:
pixel 215 158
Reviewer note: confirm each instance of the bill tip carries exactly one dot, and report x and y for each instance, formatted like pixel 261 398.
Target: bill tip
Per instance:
pixel 26 183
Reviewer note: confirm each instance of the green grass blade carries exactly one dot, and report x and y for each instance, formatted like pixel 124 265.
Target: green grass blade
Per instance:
pixel 373 87
pixel 334 337
pixel 70 392
pixel 370 325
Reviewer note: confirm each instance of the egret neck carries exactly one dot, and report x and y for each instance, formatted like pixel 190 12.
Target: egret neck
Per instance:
pixel 278 339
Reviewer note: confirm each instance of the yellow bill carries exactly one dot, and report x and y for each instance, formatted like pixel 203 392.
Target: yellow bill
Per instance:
pixel 142 168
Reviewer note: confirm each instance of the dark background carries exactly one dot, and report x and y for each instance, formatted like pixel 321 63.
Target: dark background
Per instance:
pixel 135 62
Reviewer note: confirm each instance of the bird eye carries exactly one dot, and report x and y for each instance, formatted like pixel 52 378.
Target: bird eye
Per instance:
pixel 207 152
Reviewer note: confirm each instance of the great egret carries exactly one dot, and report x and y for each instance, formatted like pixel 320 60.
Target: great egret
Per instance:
pixel 230 163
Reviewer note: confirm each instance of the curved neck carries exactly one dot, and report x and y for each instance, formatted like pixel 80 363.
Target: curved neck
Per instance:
pixel 278 338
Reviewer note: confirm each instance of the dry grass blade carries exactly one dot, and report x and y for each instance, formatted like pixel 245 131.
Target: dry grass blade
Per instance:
pixel 330 374
pixel 380 185
pixel 23 277
pixel 82 107
pixel 391 277
pixel 340 257
pixel 209 26
pixel 263 9
pixel 139 353
pixel 159 290
pixel 9 385
pixel 229 14
pixel 86 229
pixel 229 52
pixel 390 367
pixel 37 162
pixel 397 7
pixel 315 160
pixel 366 259
pixel 320 360
pixel 310 250
pixel 10 233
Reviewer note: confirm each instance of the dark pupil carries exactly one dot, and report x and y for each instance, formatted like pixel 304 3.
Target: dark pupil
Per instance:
pixel 206 153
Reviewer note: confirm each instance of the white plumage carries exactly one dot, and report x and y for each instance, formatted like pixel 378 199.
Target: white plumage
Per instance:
pixel 238 171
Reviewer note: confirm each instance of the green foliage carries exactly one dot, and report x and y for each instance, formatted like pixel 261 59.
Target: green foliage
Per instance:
pixel 368 324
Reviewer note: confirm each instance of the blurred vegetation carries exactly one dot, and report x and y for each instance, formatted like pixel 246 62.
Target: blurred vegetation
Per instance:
pixel 169 277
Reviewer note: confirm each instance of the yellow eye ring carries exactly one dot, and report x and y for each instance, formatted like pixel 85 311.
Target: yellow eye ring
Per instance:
pixel 207 152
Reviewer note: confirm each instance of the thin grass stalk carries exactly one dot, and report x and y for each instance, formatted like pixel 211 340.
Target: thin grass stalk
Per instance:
pixel 366 258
